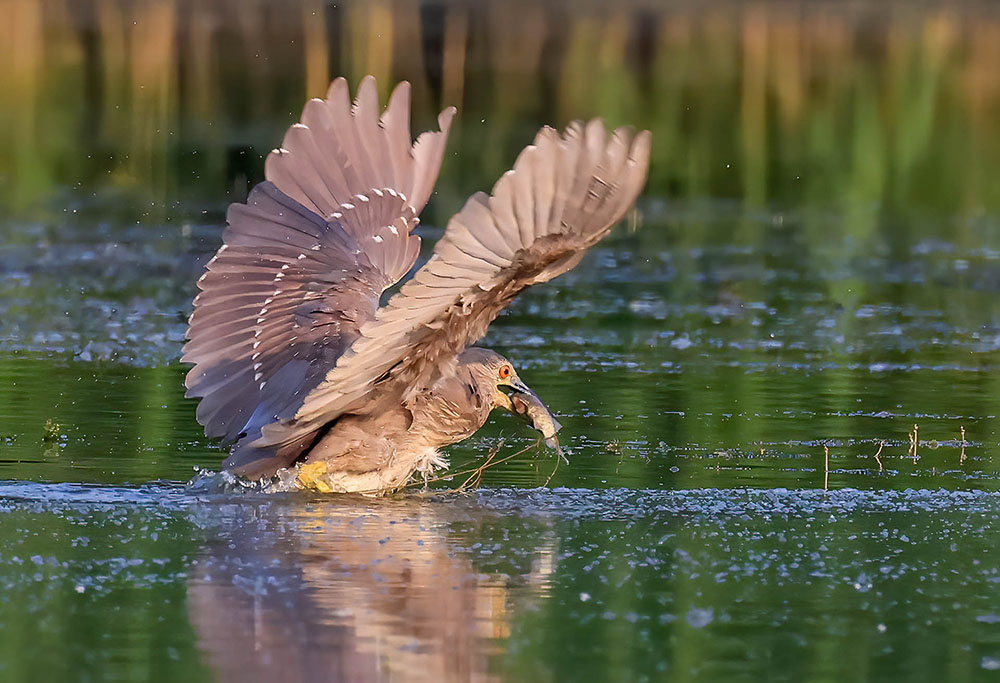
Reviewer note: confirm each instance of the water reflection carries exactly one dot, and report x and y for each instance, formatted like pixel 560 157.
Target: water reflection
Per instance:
pixel 354 590
pixel 112 583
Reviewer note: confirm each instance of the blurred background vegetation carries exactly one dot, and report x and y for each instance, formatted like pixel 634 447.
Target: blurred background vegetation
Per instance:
pixel 174 103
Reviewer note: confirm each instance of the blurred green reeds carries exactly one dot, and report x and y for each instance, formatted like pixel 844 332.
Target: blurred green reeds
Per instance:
pixel 856 106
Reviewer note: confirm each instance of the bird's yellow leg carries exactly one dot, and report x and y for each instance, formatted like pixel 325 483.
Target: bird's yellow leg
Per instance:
pixel 313 476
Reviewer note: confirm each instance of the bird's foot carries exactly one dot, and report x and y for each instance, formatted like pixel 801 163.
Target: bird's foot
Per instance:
pixel 313 476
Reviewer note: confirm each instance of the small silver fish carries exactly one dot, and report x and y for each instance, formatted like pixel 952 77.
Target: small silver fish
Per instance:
pixel 531 409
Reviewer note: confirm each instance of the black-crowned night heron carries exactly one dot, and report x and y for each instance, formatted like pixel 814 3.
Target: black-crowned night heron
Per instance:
pixel 294 359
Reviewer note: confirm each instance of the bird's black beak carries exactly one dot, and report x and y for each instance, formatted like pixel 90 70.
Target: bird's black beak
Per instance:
pixel 526 405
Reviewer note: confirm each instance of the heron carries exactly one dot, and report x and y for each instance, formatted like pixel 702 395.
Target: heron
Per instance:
pixel 298 361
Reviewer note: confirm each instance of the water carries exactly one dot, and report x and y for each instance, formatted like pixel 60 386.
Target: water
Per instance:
pixel 518 583
pixel 741 381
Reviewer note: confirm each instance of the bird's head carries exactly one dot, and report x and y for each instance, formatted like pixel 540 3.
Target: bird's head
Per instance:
pixel 506 390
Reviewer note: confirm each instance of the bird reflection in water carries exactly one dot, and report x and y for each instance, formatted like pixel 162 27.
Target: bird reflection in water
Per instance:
pixel 365 591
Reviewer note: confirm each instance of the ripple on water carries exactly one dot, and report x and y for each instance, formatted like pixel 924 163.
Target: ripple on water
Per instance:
pixel 562 502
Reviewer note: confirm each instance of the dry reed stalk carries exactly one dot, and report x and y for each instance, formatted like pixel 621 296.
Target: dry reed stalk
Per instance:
pixel 475 477
pixel 554 469
pixel 826 467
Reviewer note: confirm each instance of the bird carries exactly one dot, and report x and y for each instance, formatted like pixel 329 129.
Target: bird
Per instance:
pixel 300 358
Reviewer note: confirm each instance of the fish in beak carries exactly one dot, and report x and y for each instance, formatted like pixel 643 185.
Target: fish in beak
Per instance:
pixel 526 405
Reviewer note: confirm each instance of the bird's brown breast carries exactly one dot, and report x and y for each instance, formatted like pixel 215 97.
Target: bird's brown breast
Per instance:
pixel 452 410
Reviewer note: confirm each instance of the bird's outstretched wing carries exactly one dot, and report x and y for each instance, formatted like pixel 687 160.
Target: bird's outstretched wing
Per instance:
pixel 305 260
pixel 563 195
pixel 338 150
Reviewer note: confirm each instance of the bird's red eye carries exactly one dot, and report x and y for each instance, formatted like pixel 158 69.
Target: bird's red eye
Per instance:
pixel 505 371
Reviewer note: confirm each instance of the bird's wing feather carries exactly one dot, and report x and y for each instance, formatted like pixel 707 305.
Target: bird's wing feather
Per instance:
pixel 340 150
pixel 562 196
pixel 305 260
pixel 288 288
